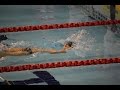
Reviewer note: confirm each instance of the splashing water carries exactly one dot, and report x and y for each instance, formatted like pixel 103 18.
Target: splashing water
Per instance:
pixel 21 44
pixel 31 56
pixel 84 43
pixel 2 58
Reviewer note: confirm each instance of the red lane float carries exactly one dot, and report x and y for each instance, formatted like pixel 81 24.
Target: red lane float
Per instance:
pixel 57 26
pixel 59 64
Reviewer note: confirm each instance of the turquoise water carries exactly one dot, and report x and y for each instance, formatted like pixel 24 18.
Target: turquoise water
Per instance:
pixel 96 42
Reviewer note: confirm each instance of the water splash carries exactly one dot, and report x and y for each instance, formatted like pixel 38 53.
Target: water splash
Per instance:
pixel 2 58
pixel 2 46
pixel 32 56
pixel 21 44
pixel 84 43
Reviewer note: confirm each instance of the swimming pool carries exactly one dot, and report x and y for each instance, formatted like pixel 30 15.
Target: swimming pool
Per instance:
pixel 92 42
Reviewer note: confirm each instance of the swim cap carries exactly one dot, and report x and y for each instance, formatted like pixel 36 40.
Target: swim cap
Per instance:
pixel 3 37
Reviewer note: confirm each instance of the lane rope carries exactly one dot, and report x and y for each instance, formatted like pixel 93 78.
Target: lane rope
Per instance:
pixel 70 63
pixel 57 26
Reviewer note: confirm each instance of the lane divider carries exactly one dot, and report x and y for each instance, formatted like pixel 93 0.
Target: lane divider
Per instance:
pixel 67 63
pixel 57 26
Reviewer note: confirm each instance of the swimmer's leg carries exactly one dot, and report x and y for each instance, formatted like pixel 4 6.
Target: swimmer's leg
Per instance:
pixel 13 49
pixel 18 53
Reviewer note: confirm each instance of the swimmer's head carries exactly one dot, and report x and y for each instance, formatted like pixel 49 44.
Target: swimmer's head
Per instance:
pixel 3 37
pixel 68 44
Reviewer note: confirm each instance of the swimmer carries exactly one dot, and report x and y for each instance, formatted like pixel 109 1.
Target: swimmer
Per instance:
pixel 27 51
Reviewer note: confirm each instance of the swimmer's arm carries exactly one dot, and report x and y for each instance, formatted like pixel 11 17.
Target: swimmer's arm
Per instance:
pixel 44 50
pixel 53 51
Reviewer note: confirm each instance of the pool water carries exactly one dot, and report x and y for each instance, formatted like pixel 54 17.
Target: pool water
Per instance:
pixel 91 42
